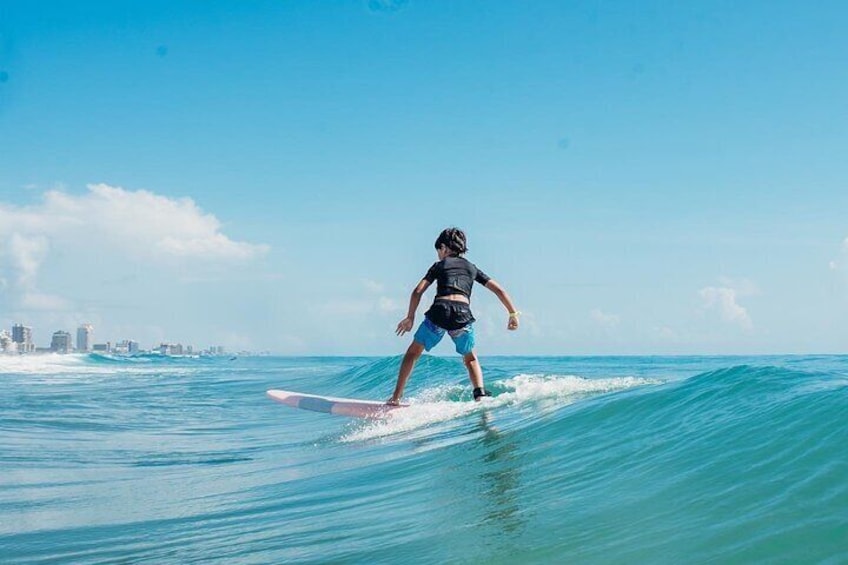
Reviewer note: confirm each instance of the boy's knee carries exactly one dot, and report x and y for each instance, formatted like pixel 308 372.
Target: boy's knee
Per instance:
pixel 415 350
pixel 470 358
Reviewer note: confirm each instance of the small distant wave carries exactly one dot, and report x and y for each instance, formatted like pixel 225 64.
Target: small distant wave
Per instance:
pixel 176 460
pixel 752 386
pixel 146 357
pixel 109 359
pixel 53 363
pixel 541 387
pixel 74 364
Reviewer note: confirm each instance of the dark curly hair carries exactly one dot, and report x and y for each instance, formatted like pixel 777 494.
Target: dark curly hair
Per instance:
pixel 453 239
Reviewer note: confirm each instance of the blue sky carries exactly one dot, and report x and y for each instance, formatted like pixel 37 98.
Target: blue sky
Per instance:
pixel 642 177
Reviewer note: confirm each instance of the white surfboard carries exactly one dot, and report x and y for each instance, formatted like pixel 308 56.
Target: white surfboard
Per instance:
pixel 332 405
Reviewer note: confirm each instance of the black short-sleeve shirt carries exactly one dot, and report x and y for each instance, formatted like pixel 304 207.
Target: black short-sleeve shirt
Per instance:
pixel 455 275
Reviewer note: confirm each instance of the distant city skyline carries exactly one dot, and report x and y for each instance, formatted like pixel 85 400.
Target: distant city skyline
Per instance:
pixel 20 341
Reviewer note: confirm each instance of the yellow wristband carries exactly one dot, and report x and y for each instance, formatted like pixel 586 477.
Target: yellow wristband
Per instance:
pixel 514 314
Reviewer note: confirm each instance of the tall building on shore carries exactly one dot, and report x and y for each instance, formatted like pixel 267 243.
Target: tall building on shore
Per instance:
pixel 6 343
pixel 171 349
pixel 85 338
pixel 126 347
pixel 61 342
pixel 22 335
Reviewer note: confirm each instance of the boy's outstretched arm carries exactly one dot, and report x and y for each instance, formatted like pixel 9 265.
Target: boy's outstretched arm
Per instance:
pixel 505 299
pixel 406 324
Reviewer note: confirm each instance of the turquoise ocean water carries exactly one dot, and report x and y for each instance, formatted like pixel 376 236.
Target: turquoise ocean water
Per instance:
pixel 575 459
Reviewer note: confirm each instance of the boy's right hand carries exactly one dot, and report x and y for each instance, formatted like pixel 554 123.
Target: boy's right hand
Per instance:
pixel 512 324
pixel 404 326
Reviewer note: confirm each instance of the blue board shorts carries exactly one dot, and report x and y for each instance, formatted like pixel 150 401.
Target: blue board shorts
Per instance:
pixel 429 335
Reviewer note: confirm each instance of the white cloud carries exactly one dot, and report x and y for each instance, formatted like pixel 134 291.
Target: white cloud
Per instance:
pixel 373 286
pixel 27 254
pixel 383 304
pixel 667 333
pixel 743 287
pixel 148 223
pixel 386 304
pixel 357 307
pixel 724 301
pixel 836 264
pixel 608 321
pixel 33 300
pixel 138 224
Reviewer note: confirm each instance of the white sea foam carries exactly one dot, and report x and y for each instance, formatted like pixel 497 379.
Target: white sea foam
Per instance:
pixel 416 417
pixel 70 364
pixel 433 406
pixel 41 364
pixel 540 387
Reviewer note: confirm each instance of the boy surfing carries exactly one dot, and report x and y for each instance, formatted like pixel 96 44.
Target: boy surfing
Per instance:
pixel 451 311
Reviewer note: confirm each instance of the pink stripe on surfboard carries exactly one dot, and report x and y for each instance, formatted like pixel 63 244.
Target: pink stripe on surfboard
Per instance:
pixel 332 405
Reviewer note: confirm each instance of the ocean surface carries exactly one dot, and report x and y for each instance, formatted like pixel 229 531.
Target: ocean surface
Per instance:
pixel 574 460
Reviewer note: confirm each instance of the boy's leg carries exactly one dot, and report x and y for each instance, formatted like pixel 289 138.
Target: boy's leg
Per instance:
pixel 412 354
pixel 475 372
pixel 464 341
